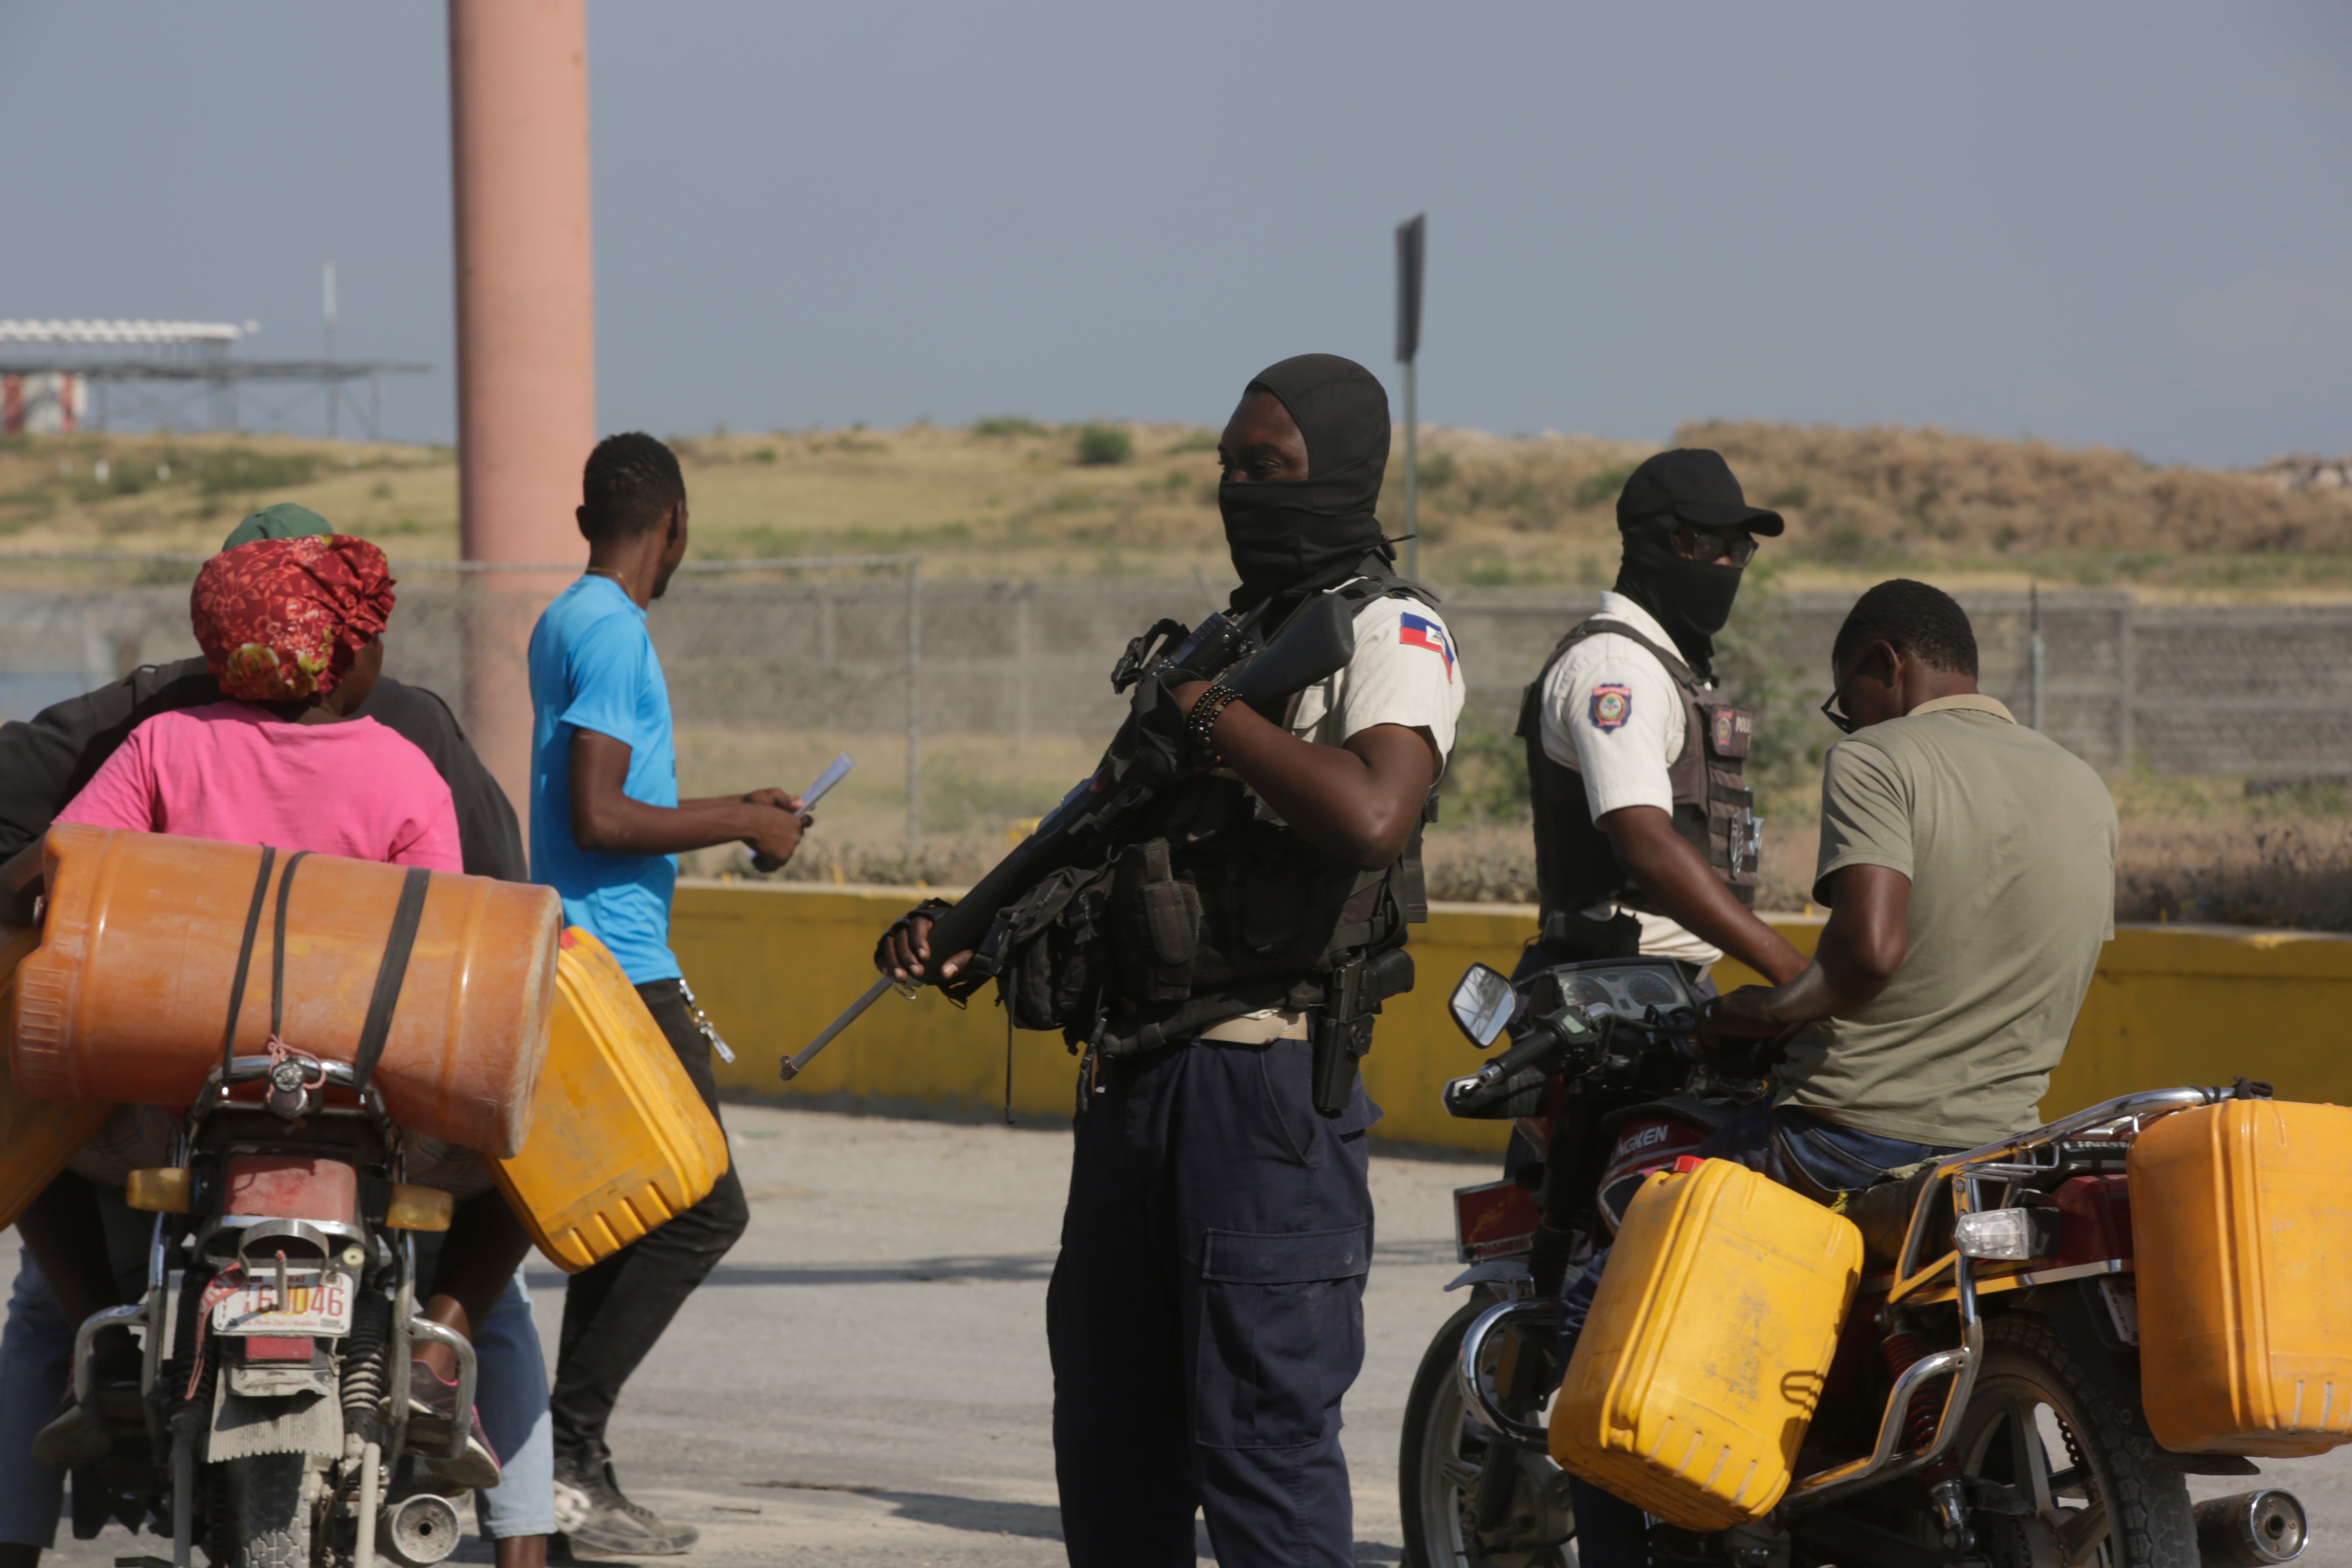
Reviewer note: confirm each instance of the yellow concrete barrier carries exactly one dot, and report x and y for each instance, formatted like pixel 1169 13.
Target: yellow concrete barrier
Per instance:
pixel 774 962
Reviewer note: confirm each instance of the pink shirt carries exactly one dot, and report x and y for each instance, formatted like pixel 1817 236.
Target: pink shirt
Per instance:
pixel 232 771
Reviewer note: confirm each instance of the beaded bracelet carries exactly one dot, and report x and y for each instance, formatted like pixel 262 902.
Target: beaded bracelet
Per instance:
pixel 1207 708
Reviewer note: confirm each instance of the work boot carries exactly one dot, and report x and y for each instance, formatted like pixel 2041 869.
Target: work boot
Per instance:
pixel 432 1413
pixel 591 1512
pixel 80 1436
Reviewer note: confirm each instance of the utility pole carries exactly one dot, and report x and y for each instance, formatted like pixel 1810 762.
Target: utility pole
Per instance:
pixel 334 387
pixel 1409 235
pixel 526 339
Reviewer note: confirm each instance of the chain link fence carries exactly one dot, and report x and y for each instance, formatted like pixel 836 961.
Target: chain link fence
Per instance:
pixel 972 704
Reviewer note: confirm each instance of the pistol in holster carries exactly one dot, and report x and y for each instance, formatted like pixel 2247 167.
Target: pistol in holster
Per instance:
pixel 1342 1030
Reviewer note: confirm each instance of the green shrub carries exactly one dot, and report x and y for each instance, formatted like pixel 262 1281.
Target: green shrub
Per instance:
pixel 1008 425
pixel 1601 487
pixel 1435 471
pixel 1757 659
pixel 1202 440
pixel 1100 446
pixel 1486 775
pixel 235 470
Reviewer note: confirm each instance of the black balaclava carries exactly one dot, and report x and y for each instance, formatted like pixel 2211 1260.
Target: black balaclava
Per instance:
pixel 1299 536
pixel 1694 486
pixel 1690 600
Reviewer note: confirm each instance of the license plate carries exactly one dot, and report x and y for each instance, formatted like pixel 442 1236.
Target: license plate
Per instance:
pixel 321 1307
pixel 1497 1220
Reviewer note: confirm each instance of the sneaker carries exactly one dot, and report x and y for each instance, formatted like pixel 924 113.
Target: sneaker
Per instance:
pixel 591 1512
pixel 432 1413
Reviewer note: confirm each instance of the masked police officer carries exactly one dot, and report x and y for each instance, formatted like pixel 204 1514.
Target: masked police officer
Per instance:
pixel 1644 836
pixel 1206 1312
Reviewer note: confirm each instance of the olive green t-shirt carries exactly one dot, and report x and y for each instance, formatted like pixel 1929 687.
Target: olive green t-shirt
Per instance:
pixel 2009 843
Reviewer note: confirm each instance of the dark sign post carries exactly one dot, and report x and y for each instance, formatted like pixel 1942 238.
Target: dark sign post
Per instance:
pixel 1408 347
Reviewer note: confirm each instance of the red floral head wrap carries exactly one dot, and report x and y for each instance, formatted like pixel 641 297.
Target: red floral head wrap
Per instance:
pixel 282 619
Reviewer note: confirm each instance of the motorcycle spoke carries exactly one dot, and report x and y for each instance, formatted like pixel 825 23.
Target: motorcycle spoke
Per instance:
pixel 2083 1533
pixel 2029 1459
pixel 2070 1479
pixel 1459 1473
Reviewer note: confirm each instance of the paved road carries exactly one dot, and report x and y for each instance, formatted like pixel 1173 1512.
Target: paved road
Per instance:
pixel 864 1382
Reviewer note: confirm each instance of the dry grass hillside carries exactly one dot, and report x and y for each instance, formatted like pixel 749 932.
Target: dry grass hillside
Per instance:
pixel 1012 498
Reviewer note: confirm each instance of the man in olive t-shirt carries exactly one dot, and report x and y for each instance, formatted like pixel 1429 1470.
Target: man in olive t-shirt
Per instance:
pixel 1968 864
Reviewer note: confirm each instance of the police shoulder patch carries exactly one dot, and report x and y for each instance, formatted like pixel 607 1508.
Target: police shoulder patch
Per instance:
pixel 1611 706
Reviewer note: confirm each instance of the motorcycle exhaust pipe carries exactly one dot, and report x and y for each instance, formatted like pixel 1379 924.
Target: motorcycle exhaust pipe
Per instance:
pixel 2250 1528
pixel 420 1531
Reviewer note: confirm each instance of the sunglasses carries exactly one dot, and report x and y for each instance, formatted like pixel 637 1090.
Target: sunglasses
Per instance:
pixel 1829 712
pixel 1707 548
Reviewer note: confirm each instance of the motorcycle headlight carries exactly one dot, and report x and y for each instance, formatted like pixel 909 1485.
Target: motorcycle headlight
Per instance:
pixel 2007 1235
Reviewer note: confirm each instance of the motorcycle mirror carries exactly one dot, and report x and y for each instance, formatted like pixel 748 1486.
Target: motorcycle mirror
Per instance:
pixel 1482 1003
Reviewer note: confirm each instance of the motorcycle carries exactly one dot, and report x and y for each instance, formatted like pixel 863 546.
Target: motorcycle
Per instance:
pixel 1983 1406
pixel 271 1423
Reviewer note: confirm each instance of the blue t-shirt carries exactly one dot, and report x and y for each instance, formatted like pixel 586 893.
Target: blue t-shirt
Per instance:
pixel 592 667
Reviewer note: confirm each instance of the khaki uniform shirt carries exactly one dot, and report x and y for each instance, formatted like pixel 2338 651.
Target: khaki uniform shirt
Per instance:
pixel 2009 844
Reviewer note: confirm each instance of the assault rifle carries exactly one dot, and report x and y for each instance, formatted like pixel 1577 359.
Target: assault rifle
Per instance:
pixel 1143 762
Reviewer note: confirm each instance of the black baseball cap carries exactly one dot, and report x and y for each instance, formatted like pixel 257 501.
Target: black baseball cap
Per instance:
pixel 1692 485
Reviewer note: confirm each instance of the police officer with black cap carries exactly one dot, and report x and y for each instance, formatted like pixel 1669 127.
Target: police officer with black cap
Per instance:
pixel 1645 836
pixel 1206 1312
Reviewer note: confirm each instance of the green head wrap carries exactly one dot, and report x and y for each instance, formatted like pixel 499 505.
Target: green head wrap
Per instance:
pixel 284 520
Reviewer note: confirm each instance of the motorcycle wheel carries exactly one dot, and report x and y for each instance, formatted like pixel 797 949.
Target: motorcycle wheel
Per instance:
pixel 265 1517
pixel 1440 1458
pixel 2077 1452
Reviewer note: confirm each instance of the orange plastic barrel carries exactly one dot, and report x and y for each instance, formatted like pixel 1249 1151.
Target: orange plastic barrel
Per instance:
pixel 37 1136
pixel 128 995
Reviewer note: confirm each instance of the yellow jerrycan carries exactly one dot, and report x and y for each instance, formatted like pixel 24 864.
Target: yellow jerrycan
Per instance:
pixel 2241 1222
pixel 620 1140
pixel 1700 1365
pixel 37 1136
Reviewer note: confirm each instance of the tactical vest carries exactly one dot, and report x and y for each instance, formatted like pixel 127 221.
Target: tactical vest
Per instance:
pixel 1576 865
pixel 1204 912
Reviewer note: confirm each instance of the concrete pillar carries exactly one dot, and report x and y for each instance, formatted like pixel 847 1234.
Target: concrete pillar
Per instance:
pixel 526 336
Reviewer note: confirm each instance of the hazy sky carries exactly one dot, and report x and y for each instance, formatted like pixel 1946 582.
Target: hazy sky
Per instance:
pixel 2112 223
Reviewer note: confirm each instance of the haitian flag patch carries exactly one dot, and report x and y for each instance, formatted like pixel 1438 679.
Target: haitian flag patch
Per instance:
pixel 1416 631
pixel 1611 706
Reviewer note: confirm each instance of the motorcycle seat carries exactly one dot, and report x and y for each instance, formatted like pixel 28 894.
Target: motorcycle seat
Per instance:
pixel 1882 1212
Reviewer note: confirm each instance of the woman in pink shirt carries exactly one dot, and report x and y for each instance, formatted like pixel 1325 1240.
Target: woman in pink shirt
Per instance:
pixel 293 630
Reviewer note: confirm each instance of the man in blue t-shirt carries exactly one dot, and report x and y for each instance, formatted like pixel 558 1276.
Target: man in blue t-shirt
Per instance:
pixel 606 826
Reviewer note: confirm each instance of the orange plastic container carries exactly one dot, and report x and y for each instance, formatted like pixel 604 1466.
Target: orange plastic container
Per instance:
pixel 128 995
pixel 1697 1372
pixel 620 1141
pixel 2241 1222
pixel 37 1136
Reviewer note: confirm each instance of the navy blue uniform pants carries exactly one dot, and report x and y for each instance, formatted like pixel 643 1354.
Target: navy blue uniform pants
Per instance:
pixel 1206 1314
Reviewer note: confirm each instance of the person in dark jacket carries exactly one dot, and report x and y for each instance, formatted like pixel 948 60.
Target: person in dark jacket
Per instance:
pixel 44 763
pixel 46 759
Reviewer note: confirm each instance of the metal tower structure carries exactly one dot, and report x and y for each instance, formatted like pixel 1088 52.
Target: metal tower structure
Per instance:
pixel 156 368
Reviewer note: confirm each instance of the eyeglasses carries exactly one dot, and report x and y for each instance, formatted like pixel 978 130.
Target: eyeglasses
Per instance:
pixel 1828 711
pixel 1708 547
